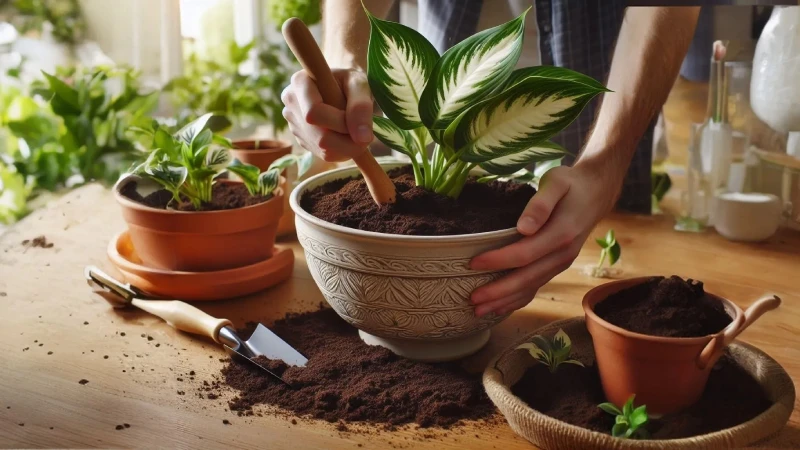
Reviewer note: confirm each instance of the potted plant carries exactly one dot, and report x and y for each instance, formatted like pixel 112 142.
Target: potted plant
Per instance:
pixel 658 338
pixel 409 290
pixel 187 218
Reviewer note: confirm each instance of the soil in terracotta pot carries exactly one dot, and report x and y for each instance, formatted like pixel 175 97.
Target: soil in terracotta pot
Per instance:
pixel 731 397
pixel 223 196
pixel 347 380
pixel 670 307
pixel 481 207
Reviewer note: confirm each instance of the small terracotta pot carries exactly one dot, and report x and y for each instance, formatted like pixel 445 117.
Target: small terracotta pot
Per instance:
pixel 665 373
pixel 201 241
pixel 261 154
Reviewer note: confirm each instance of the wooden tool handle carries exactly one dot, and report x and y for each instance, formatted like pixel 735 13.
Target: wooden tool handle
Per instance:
pixel 184 317
pixel 307 52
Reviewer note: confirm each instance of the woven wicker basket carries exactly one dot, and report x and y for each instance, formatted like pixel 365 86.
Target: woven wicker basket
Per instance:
pixel 548 433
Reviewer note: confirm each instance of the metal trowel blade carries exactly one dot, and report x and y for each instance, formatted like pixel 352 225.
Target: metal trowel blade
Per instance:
pixel 265 342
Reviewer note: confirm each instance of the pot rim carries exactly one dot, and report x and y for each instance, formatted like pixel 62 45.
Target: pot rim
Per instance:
pixel 591 315
pixel 128 203
pixel 276 145
pixel 294 202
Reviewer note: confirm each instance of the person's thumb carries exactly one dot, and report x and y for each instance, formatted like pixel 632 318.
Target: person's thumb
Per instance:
pixel 359 107
pixel 551 190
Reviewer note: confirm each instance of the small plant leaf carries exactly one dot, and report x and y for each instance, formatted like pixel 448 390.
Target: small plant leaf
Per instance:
pixel 614 252
pixel 610 408
pixel 188 133
pixel 619 429
pixel 553 72
pixel 601 242
pixel 505 165
pixel 283 162
pixel 561 340
pixel 399 62
pixel 393 136
pixel 163 140
pixel 66 94
pixel 218 158
pixel 638 416
pixel 573 361
pixel 248 173
pixel 543 343
pixel 304 164
pixel 222 141
pixel 627 408
pixel 610 238
pixel 534 350
pixel 268 181
pixel 470 71
pixel 202 140
pixel 488 178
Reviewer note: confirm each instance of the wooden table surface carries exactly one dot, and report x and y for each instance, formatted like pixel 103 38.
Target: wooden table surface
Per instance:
pixel 54 333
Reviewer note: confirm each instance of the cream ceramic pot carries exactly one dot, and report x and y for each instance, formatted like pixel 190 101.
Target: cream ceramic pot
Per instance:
pixel 407 293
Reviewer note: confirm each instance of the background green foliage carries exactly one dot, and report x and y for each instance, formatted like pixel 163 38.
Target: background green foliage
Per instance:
pixel 69 25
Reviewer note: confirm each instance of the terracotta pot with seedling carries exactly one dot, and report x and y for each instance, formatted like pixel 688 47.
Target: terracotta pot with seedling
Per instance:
pixel 182 216
pixel 456 116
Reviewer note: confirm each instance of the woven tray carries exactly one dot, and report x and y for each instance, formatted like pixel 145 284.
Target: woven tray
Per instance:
pixel 549 433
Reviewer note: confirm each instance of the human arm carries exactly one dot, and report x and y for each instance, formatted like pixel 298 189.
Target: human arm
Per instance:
pixel 330 133
pixel 651 46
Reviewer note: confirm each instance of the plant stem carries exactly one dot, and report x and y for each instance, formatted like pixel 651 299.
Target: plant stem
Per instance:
pixel 443 172
pixel 461 181
pixel 418 179
pixel 451 178
pixel 428 175
pixel 603 253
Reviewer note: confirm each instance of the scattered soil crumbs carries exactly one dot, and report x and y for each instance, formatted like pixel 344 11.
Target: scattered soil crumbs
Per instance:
pixel 119 427
pixel 83 381
pixel 223 196
pixel 480 207
pixel 226 421
pixel 39 241
pixel 572 394
pixel 668 307
pixel 371 385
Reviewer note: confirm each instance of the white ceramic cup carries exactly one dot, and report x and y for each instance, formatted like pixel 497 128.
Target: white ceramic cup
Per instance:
pixel 749 217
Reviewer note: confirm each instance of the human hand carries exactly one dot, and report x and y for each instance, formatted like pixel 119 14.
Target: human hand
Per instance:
pixel 330 133
pixel 555 224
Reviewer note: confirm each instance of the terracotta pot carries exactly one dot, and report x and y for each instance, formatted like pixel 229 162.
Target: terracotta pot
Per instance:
pixel 204 240
pixel 261 154
pixel 407 293
pixel 665 373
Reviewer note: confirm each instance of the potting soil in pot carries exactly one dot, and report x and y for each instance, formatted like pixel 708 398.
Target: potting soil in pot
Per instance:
pixel 572 394
pixel 481 207
pixel 670 307
pixel 223 196
pixel 347 380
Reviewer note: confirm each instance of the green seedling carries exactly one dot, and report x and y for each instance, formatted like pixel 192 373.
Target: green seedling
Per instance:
pixel 629 422
pixel 551 353
pixel 264 183
pixel 661 184
pixel 610 249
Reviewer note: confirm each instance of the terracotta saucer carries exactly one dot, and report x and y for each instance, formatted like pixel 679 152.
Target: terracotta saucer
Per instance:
pixel 199 286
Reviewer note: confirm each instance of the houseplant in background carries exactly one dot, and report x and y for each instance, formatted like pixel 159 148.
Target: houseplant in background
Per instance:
pixel 400 273
pixel 188 218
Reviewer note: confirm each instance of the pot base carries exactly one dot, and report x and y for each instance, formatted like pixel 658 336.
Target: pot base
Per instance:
pixel 431 351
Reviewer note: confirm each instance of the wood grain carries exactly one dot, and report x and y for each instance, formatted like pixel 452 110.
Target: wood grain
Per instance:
pixel 46 301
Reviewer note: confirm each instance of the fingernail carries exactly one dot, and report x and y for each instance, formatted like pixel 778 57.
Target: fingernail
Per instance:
pixel 363 134
pixel 526 225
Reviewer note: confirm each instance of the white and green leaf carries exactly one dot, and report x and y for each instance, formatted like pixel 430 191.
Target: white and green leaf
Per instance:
pixel 268 181
pixel 561 340
pixel 393 136
pixel 399 62
pixel 509 164
pixel 218 158
pixel 304 164
pixel 470 71
pixel 553 73
pixel 246 172
pixel 523 116
pixel 188 133
pixel 534 350
pixel 283 162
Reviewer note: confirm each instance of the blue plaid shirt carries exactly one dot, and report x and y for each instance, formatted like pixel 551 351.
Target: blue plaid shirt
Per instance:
pixel 576 34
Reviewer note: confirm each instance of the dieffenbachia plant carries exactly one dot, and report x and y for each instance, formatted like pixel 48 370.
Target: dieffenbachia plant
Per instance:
pixel 551 353
pixel 188 162
pixel 470 103
pixel 629 422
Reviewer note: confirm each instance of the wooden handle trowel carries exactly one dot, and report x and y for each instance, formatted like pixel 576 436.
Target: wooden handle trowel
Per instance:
pixel 307 52
pixel 186 317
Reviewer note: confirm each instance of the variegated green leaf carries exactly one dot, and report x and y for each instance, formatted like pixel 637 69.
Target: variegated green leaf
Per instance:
pixel 573 361
pixel 519 118
pixel 555 73
pixel 202 140
pixel 218 158
pixel 399 62
pixel 283 162
pixel 505 165
pixel 561 340
pixel 169 176
pixel 470 71
pixel 393 136
pixel 246 172
pixel 534 350
pixel 192 129
pixel 268 181
pixel 304 163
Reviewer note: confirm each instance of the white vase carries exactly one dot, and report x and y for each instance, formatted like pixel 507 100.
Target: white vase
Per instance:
pixel 775 86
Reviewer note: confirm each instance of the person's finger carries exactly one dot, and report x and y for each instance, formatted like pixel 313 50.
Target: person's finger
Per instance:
pixel 337 147
pixel 552 189
pixel 528 277
pixel 311 107
pixel 486 308
pixel 359 107
pixel 514 306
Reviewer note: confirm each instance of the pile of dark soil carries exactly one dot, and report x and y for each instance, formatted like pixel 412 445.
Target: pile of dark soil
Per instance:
pixel 347 380
pixel 480 207
pixel 38 241
pixel 669 307
pixel 572 394
pixel 223 196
